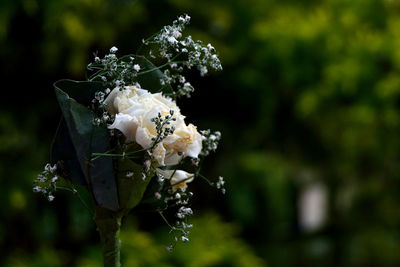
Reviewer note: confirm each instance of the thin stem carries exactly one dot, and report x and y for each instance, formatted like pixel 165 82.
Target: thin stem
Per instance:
pixel 66 189
pixel 84 203
pixel 108 155
pixel 166 221
pixel 97 74
pixel 173 228
pixel 204 178
pixel 98 155
pixel 153 69
pixel 76 193
pixel 148 39
pixel 163 65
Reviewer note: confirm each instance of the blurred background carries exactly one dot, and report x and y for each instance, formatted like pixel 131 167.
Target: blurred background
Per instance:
pixel 309 109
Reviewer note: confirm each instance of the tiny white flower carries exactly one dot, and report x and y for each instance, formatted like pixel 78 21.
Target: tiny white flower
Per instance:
pixel 172 40
pixel 37 189
pixel 203 70
pixel 176 34
pixel 136 67
pixel 113 50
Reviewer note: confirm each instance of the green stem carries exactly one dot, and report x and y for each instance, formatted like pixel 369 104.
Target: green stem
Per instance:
pixel 163 65
pixel 109 224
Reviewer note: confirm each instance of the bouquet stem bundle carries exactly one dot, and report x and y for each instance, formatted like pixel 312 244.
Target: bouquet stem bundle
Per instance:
pixel 109 225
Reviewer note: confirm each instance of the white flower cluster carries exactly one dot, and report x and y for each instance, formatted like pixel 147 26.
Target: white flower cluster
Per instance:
pixel 45 183
pixel 210 141
pixel 182 52
pixel 169 37
pixel 183 212
pixel 221 184
pixel 113 71
pixel 180 198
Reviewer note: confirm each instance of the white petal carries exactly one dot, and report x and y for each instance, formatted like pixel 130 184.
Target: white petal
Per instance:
pixel 109 101
pixel 193 150
pixel 172 158
pixel 178 178
pixel 143 137
pixel 126 124
pixel 159 154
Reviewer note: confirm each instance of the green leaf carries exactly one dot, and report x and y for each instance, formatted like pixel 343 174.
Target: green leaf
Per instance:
pixel 151 80
pixel 102 173
pixel 82 91
pixel 86 139
pixel 64 150
pixel 131 189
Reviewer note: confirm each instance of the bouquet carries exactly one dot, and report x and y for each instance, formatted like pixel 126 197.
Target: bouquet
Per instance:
pixel 123 137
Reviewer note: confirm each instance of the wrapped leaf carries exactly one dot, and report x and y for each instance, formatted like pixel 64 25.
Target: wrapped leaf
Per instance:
pixel 63 151
pixel 82 91
pixel 86 139
pixel 130 184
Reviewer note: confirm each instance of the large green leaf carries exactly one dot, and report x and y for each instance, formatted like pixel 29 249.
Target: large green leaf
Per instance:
pixel 82 91
pixel 150 80
pixel 86 139
pixel 63 150
pixel 102 175
pixel 131 188
pixel 62 146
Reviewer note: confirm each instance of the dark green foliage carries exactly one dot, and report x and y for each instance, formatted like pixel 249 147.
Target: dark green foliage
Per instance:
pixel 131 189
pixel 63 152
pixel 86 139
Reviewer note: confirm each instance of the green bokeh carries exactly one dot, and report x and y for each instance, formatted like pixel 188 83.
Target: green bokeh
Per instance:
pixel 309 94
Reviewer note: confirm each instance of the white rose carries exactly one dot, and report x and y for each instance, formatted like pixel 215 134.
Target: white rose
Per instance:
pixel 134 108
pixel 178 178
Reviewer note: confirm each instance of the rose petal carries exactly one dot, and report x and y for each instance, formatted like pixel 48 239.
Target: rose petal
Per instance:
pixel 178 178
pixel 126 124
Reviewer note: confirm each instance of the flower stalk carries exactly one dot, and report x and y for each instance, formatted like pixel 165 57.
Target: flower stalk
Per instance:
pixel 108 225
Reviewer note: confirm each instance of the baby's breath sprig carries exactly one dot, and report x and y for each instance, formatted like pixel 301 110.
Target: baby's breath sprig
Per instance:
pixel 220 184
pixel 114 71
pixel 180 53
pixel 48 182
pixel 210 141
pixel 162 127
pixel 180 229
pixel 45 182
